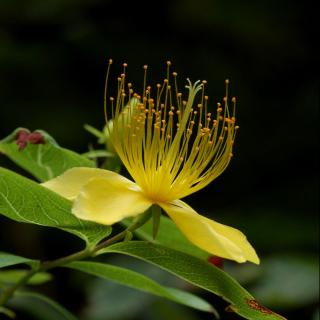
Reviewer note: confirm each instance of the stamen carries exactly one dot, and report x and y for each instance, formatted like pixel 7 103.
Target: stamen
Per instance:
pixel 171 145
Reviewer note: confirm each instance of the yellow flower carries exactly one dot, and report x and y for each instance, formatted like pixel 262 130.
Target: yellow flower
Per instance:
pixel 171 147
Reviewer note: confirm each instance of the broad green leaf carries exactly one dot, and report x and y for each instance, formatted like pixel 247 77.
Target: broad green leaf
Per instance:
pixel 39 307
pixel 8 259
pixel 44 161
pixel 24 200
pixel 140 282
pixel 168 235
pixel 199 273
pixel 13 276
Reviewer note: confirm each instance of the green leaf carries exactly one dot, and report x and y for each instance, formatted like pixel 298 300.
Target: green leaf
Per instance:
pixel 8 259
pixel 168 235
pixel 24 200
pixel 289 281
pixel 39 306
pixel 9 313
pixel 138 281
pixel 199 273
pixel 45 160
pixel 92 154
pixel 13 276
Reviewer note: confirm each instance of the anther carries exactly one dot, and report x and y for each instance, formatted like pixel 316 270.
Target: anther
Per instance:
pixel 234 99
pixel 174 74
pixel 110 61
pixel 145 67
pixel 168 63
pixel 125 65
pixel 227 81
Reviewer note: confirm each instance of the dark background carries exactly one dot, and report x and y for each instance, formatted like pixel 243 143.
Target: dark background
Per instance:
pixel 53 57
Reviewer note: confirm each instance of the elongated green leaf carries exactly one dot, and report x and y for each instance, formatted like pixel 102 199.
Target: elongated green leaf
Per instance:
pixel 39 306
pixel 9 313
pixel 168 235
pixel 44 160
pixel 138 281
pixel 8 259
pixel 199 273
pixel 24 200
pixel 13 276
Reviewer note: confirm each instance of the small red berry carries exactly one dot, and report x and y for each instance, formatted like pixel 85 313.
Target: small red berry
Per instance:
pixel 35 138
pixel 216 261
pixel 22 138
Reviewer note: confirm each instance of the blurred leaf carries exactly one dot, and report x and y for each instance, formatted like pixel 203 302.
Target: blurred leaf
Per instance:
pixel 245 273
pixel 199 273
pixel 168 235
pixel 97 133
pixel 8 259
pixel 98 292
pixel 98 154
pixel 24 200
pixel 13 276
pixel 44 160
pixel 9 313
pixel 160 310
pixel 141 304
pixel 140 282
pixel 39 306
pixel 288 281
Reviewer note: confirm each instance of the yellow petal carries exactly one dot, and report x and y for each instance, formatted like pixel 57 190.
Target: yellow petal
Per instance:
pixel 211 236
pixel 108 201
pixel 69 184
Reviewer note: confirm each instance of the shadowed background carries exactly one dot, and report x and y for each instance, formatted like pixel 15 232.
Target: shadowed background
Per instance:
pixel 53 57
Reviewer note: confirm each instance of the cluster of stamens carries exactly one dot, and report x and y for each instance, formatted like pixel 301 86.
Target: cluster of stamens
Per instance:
pixel 169 142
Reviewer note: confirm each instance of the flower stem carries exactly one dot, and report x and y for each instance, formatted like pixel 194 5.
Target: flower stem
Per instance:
pixel 8 292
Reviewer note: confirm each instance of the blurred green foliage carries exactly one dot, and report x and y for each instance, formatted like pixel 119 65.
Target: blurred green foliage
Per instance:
pixel 53 58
